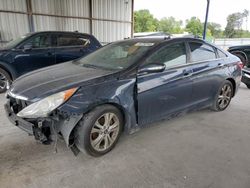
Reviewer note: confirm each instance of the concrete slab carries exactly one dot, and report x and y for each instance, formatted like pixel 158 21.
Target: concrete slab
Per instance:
pixel 201 149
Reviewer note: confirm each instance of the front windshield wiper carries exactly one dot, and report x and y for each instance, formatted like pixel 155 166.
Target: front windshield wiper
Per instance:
pixel 99 67
pixel 90 66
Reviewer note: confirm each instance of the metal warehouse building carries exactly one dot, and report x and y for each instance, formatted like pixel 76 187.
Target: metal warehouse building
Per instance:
pixel 107 20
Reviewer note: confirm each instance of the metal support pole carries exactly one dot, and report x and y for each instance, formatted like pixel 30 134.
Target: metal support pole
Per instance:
pixel 90 17
pixel 30 15
pixel 132 19
pixel 205 24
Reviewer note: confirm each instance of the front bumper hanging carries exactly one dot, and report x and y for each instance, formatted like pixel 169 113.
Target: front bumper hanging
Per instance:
pixel 46 130
pixel 17 121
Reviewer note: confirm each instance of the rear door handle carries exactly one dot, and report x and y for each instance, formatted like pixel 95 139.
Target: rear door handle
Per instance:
pixel 221 65
pixel 50 54
pixel 186 74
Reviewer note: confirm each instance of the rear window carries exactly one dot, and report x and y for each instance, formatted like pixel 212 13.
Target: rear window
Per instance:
pixel 201 52
pixel 70 40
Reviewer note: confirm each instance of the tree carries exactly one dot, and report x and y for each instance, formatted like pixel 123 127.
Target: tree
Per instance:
pixel 234 24
pixel 144 21
pixel 170 25
pixel 246 14
pixel 194 26
pixel 215 29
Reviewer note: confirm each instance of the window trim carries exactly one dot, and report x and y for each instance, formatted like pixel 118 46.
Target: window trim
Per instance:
pixel 217 50
pixel 168 44
pixel 203 43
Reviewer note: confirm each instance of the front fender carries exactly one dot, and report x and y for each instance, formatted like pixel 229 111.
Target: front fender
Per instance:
pixel 120 93
pixel 7 67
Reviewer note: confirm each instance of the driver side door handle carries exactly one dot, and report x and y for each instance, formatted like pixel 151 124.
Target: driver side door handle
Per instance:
pixel 187 73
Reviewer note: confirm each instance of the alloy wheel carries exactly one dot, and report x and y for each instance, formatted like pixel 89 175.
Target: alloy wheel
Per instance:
pixel 104 132
pixel 225 96
pixel 3 81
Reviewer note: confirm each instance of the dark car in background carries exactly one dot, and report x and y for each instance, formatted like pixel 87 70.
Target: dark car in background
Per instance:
pixel 123 86
pixel 246 77
pixel 243 52
pixel 40 49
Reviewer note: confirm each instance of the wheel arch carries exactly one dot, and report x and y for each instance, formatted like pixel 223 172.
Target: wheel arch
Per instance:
pixel 123 111
pixel 8 69
pixel 233 83
pixel 115 104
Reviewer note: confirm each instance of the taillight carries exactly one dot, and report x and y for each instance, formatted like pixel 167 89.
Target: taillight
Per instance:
pixel 240 65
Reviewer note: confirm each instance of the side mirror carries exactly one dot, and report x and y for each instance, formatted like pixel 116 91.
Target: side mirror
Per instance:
pixel 27 47
pixel 152 68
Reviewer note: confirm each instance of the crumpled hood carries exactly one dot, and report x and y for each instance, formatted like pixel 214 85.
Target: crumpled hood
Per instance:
pixel 47 81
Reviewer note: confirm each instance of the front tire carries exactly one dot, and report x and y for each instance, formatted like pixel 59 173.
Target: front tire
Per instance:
pixel 5 79
pixel 98 132
pixel 223 97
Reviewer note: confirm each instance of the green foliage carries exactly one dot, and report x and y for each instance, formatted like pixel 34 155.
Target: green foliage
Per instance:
pixel 144 21
pixel 215 29
pixel 234 24
pixel 241 34
pixel 194 26
pixel 170 25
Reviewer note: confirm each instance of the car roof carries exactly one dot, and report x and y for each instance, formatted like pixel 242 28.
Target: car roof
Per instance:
pixel 161 39
pixel 60 32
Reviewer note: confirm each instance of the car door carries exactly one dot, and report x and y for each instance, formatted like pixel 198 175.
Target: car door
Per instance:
pixel 164 93
pixel 36 52
pixel 71 46
pixel 207 68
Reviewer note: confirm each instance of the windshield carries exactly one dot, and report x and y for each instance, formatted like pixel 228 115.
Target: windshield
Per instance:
pixel 15 42
pixel 116 56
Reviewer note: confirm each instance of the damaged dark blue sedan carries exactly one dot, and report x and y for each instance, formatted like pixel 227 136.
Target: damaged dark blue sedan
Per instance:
pixel 122 87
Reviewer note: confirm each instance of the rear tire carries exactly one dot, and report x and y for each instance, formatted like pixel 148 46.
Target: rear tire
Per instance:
pixel 223 97
pixel 5 79
pixel 99 130
pixel 248 86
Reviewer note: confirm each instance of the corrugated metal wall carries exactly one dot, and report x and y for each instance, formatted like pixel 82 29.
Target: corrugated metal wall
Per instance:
pixel 12 25
pixel 119 10
pixel 61 7
pixel 108 20
pixel 78 9
pixel 60 24
pixel 107 31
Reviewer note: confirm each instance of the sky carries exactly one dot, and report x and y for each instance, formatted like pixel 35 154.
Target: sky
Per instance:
pixel 185 9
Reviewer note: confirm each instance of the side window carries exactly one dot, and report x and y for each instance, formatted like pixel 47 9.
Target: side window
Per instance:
pixel 170 55
pixel 201 52
pixel 221 54
pixel 72 40
pixel 41 41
